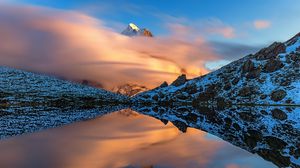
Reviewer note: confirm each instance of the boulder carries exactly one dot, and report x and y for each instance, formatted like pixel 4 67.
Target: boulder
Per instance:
pixel 252 137
pixel 279 114
pixel 275 157
pixel 245 91
pixel 190 88
pixel 271 52
pixel 235 81
pixel 247 116
pixel 254 73
pixel 227 86
pixel 273 65
pixel 278 95
pixel 248 66
pixel 275 143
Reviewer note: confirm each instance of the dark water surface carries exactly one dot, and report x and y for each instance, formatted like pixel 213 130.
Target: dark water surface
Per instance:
pixel 124 139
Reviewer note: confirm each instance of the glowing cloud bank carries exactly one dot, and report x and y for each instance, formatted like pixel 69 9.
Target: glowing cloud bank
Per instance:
pixel 76 46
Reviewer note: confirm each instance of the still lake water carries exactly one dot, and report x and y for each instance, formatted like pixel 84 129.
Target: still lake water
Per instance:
pixel 123 139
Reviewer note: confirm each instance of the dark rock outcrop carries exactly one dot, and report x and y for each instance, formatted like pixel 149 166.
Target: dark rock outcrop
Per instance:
pixel 180 80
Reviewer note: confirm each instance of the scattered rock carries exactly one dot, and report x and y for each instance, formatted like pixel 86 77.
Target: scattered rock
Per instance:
pixel 271 52
pixel 273 65
pixel 275 143
pixel 248 66
pixel 236 126
pixel 227 86
pixel 155 97
pixel 252 137
pixel 254 73
pixel 182 96
pixel 228 121
pixel 297 153
pixel 264 112
pixel 191 89
pixel 278 95
pixel 295 57
pixel 275 157
pixel 279 114
pixel 235 81
pixel 262 97
pixel 245 91
pixel 247 116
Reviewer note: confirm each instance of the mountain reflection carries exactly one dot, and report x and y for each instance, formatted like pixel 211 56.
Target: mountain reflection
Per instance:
pixel 123 139
pixel 135 139
pixel 259 130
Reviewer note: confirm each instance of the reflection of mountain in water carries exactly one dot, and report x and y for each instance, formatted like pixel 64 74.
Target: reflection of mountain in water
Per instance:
pixel 256 129
pixel 32 119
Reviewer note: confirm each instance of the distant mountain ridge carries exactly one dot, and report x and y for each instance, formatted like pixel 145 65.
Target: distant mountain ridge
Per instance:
pixel 134 30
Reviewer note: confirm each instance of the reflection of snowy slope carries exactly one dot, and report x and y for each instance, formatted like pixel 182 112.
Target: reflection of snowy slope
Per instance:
pixel 256 129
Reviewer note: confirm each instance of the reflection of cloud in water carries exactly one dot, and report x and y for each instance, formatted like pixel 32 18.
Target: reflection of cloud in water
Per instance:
pixel 116 140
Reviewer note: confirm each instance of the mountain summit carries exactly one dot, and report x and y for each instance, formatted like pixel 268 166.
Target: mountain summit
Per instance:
pixel 134 30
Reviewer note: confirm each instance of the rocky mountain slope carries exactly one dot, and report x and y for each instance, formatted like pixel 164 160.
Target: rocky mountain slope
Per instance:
pixel 133 30
pixel 269 77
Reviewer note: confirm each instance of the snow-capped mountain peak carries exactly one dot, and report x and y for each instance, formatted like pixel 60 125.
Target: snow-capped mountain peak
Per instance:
pixel 134 30
pixel 134 27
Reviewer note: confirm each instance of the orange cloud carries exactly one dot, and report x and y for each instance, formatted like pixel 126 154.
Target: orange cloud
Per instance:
pixel 76 46
pixel 262 24
pixel 232 166
pixel 227 32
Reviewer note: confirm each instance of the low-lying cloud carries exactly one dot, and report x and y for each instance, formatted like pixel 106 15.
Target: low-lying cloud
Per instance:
pixel 76 46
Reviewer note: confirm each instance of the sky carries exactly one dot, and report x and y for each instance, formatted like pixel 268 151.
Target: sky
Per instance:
pixel 81 39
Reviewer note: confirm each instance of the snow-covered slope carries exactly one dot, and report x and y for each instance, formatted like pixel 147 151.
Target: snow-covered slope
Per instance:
pixel 271 76
pixel 21 89
pixel 133 30
pixel 259 130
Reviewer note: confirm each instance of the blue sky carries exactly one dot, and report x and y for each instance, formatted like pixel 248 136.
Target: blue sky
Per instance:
pixel 282 15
